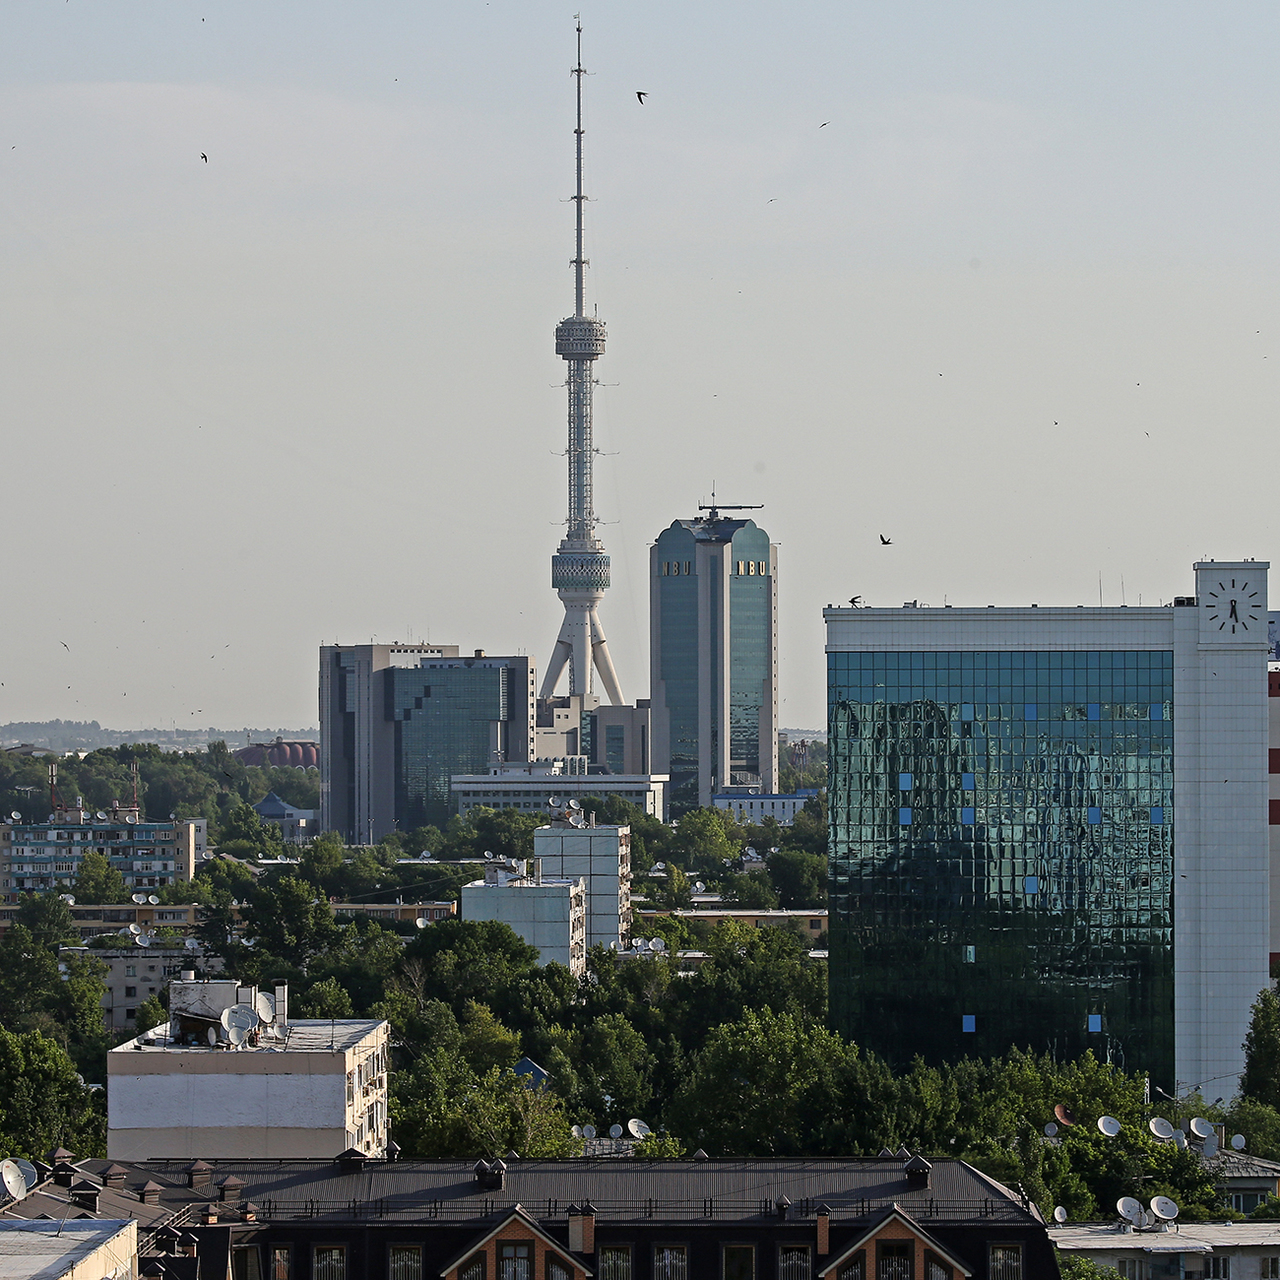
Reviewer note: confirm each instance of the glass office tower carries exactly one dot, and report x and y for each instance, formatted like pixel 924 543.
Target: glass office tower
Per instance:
pixel 1002 853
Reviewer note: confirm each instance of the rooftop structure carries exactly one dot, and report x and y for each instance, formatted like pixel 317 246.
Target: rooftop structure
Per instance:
pixel 138 972
pixel 580 568
pixel 93 920
pixel 296 826
pixel 750 804
pixel 1238 1250
pixel 548 913
pixel 810 922
pixel 527 786
pixel 79 1250
pixel 232 1076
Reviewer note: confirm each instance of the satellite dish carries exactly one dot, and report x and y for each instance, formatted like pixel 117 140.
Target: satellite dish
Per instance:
pixel 237 1035
pixel 613 945
pixel 1210 1147
pixel 1180 1140
pixel 615 1131
pixel 1064 1115
pixel 69 899
pixel 16 816
pixel 553 802
pixel 1128 1208
pixel 1051 1130
pixel 1237 1142
pixel 192 944
pixel 699 887
pixel 135 929
pixel 658 944
pixel 249 942
pixel 588 1131
pixel 577 1128
pixel 575 805
pixel 14 1183
pixel 153 899
pixel 142 940
pixel 1109 1125
pixel 131 818
pixel 1160 1127
pixel 140 899
pixel 212 1036
pixel 1164 1208
pixel 1201 1128
pixel 637 944
pixel 101 817
pixel 488 857
pixel 206 855
pixel 750 850
pixel 421 922
pixel 659 866
pixel 1059 1214
pixel 265 1006
pixel 638 1129
pixel 28 1172
pixel 241 1016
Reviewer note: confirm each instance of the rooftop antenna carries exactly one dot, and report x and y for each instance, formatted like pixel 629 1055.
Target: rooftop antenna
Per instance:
pixel 580 568
pixel 714 509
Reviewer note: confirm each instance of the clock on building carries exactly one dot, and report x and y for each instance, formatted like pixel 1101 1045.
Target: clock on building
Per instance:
pixel 1232 605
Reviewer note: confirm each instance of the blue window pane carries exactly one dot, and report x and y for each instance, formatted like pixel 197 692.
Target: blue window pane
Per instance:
pixel 1030 884
pixel 1029 711
pixel 968 1022
pixel 966 781
pixel 1095 815
pixel 1157 815
pixel 970 955
pixel 1095 1022
pixel 904 782
pixel 904 817
pixel 967 815
pixel 966 711
pixel 1157 711
pixel 1095 711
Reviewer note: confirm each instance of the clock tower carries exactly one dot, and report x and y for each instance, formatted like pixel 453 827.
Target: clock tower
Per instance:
pixel 1233 602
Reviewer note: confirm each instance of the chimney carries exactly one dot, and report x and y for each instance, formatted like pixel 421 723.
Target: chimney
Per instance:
pixel 187 1244
pixel 65 1173
pixel 199 1175
pixel 230 1188
pixel 282 1005
pixel 582 1228
pixel 209 1215
pixel 188 975
pixel 149 1193
pixel 824 1230
pixel 479 653
pixel 917 1171
pixel 783 1204
pixel 113 1176
pixel 248 1212
pixel 86 1194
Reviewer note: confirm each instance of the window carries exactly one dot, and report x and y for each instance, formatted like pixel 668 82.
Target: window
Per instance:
pixel 894 1260
pixel 738 1262
pixel 280 1262
pixel 670 1262
pixel 854 1270
pixel 556 1270
pixel 329 1262
pixel 515 1261
pixel 971 955
pixel 968 1022
pixel 1004 1262
pixel 246 1264
pixel 1270 1268
pixel 615 1262
pixel 130 992
pixel 131 971
pixel 1217 1268
pixel 405 1262
pixel 474 1270
pixel 935 1268
pixel 1095 1022
pixel 793 1262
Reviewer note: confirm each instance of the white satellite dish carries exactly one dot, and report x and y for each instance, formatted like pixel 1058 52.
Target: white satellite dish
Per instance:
pixel 1210 1147
pixel 577 1128
pixel 1164 1208
pixel 613 945
pixel 153 899
pixel 421 922
pixel 69 899
pixel 211 1036
pixel 242 1016
pixel 1237 1142
pixel 658 944
pixel 1051 1130
pixel 1109 1125
pixel 699 887
pixel 135 929
pixel 615 1131
pixel 659 866
pixel 1059 1214
pixel 1160 1127
pixel 16 816
pixel 1180 1140
pixel 140 899
pixel 28 1172
pixel 144 940
pixel 101 817
pixel 237 1035
pixel 588 1131
pixel 575 805
pixel 192 944
pixel 131 818
pixel 1201 1128
pixel 15 1184
pixel 553 802
pixel 637 944
pixel 638 1129
pixel 1128 1208
pixel 265 1006
pixel 488 857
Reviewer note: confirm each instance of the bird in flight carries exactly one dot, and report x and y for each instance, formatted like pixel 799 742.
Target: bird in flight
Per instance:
pixel 885 542
pixel 641 95
pixel 855 602
pixel 204 157
pixel 824 124
pixel 65 645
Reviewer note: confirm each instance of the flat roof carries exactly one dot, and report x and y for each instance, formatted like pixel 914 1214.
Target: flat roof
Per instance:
pixel 1189 1237
pixel 305 1035
pixel 46 1250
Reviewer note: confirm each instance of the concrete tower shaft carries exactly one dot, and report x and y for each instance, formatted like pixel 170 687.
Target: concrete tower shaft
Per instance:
pixel 580 568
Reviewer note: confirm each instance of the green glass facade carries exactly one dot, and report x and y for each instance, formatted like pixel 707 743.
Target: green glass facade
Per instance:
pixel 1001 864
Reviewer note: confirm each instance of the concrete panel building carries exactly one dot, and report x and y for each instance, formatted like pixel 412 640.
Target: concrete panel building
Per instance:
pixel 601 858
pixel 285 1090
pixel 530 785
pixel 397 721
pixel 550 914
pixel 713 646
pixel 1048 827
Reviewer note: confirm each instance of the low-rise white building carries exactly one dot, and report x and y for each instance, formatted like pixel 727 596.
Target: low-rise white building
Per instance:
pixel 749 804
pixel 1189 1251
pixel 528 786
pixel 82 1249
pixel 550 914
pixel 232 1077
pixel 601 858
pixel 136 973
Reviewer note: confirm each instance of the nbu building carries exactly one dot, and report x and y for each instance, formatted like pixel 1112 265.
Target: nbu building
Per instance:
pixel 1049 828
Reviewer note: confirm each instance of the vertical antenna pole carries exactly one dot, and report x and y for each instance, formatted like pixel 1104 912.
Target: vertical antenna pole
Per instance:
pixel 579 262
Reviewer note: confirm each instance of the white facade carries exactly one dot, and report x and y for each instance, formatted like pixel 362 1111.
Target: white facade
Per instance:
pixel 548 914
pixel 1222 872
pixel 292 1090
pixel 601 858
pixel 528 786
pixel 751 806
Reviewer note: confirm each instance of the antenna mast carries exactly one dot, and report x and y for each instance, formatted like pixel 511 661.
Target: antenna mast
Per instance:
pixel 580 568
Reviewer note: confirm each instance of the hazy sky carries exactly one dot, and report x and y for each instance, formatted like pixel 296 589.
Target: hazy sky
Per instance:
pixel 1015 306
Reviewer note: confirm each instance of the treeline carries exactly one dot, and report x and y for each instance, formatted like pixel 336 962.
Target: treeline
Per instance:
pixel 191 784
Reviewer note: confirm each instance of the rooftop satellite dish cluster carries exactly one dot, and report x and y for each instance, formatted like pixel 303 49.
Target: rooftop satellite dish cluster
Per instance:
pixel 569 811
pixel 635 1127
pixel 240 1021
pixel 639 945
pixel 147 899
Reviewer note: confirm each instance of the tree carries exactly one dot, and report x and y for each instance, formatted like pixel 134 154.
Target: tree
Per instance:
pixel 326 999
pixel 286 919
pixel 1261 1078
pixel 45 1105
pixel 800 877
pixel 701 842
pixel 751 891
pixel 30 976
pixel 659 1146
pixel 151 1013
pixel 1075 1266
pixel 97 881
pixel 48 918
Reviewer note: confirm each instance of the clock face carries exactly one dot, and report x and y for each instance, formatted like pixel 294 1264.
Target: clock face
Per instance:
pixel 1232 606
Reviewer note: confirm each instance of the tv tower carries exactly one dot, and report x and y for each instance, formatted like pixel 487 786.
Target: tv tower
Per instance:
pixel 580 569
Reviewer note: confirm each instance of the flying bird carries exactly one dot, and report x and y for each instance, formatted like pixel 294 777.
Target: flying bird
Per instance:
pixel 641 95
pixel 65 645
pixel 855 602
pixel 204 157
pixel 885 542
pixel 824 124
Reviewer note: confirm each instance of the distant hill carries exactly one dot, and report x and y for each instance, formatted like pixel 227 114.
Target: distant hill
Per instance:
pixel 88 735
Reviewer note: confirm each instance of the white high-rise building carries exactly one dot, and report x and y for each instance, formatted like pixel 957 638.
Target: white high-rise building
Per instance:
pixel 601 858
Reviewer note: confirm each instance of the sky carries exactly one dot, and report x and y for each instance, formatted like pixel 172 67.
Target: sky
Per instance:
pixel 995 280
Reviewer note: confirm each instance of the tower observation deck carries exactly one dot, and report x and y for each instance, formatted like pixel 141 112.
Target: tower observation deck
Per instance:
pixel 580 568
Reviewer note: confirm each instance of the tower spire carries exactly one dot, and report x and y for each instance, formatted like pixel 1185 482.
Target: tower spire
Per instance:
pixel 580 568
